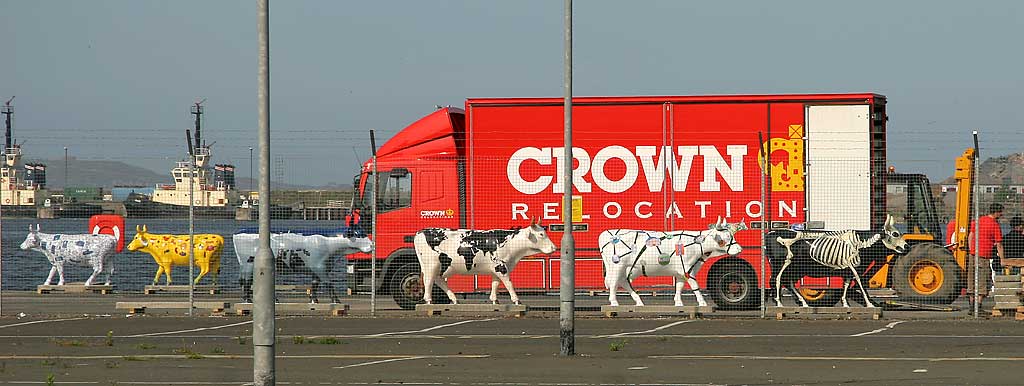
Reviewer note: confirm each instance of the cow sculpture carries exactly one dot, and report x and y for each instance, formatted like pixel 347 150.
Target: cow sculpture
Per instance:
pixel 446 252
pixel 298 252
pixel 628 254
pixel 807 253
pixel 91 250
pixel 171 250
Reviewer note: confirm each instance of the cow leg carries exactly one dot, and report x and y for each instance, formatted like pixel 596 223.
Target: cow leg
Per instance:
pixel 693 283
pixel 60 274
pixel 778 280
pixel 494 289
pixel 110 272
pixel 314 288
pixel 678 298
pixel 49 278
pixel 511 291
pixel 856 276
pixel 442 282
pixel 792 290
pixel 846 286
pixel 246 285
pixel 632 293
pixel 428 286
pixel 167 272
pixel 203 270
pixel 95 272
pixel 159 271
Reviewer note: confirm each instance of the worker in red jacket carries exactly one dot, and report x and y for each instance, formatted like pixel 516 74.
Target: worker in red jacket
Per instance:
pixel 988 247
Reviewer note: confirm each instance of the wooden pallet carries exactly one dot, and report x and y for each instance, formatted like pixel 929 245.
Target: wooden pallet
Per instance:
pixel 810 312
pixel 690 311
pixel 283 309
pixel 75 288
pixel 140 307
pixel 517 310
pixel 179 289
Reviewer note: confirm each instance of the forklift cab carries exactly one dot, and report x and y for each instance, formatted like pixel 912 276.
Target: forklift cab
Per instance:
pixel 909 200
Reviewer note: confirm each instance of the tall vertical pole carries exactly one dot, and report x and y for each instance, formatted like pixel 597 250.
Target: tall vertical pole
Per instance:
pixel 191 232
pixel 977 226
pixel 263 334
pixel 250 171
pixel 373 221
pixel 65 167
pixel 764 149
pixel 567 279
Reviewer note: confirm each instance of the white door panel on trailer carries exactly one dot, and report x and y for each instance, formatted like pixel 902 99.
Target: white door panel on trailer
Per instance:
pixel 838 170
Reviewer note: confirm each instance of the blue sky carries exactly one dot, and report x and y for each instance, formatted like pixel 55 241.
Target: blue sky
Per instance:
pixel 114 79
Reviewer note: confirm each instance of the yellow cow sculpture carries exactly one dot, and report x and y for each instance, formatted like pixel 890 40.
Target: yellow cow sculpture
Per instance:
pixel 171 250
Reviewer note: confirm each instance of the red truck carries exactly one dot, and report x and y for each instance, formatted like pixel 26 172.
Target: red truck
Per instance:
pixel 653 163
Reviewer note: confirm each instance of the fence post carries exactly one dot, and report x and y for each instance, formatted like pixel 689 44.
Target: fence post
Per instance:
pixel 764 149
pixel 567 279
pixel 263 333
pixel 977 240
pixel 373 220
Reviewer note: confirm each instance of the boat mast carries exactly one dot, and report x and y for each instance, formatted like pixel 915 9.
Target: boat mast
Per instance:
pixel 8 111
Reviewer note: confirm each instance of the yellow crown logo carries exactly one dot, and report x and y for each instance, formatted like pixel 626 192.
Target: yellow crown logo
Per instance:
pixel 787 174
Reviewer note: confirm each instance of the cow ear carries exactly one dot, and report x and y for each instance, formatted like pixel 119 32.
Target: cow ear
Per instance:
pixel 532 237
pixel 38 227
pixel 30 230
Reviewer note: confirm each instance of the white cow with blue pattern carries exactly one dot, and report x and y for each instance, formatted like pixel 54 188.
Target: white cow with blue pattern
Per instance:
pixel 91 250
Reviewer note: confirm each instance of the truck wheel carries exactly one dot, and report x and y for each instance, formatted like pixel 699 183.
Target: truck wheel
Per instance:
pixel 821 297
pixel 733 286
pixel 929 274
pixel 407 287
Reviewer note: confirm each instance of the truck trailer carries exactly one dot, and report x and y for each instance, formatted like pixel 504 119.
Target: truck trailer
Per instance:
pixel 662 163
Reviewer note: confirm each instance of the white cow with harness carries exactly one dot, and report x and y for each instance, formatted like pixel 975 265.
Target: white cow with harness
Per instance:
pixel 91 250
pixel 627 254
pixel 445 252
pixel 297 252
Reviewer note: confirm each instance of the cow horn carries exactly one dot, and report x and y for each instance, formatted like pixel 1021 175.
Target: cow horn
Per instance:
pixel 38 228
pixel 144 230
pixel 137 229
pixel 30 228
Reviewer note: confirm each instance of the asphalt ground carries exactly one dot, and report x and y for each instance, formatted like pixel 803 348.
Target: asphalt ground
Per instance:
pixel 407 348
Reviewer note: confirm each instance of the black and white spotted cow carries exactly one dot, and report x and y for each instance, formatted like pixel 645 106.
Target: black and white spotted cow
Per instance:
pixel 91 250
pixel 446 252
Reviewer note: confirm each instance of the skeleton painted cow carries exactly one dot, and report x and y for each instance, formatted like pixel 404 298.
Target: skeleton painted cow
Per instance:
pixel 813 253
pixel 446 252
pixel 298 252
pixel 171 250
pixel 91 250
pixel 627 254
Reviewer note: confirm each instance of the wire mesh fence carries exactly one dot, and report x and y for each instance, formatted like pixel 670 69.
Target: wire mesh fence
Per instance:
pixel 732 205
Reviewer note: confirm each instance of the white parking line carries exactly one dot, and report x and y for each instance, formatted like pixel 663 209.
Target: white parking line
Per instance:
pixel 40 321
pixel 190 330
pixel 427 329
pixel 656 329
pixel 834 358
pixel 887 327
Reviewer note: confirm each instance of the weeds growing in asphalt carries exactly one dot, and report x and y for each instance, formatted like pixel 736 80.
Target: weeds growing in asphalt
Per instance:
pixel 49 379
pixel 146 346
pixel 110 338
pixel 132 358
pixel 616 346
pixel 218 350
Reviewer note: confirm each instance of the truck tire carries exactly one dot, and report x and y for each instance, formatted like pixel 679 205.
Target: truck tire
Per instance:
pixel 928 273
pixel 406 287
pixel 733 286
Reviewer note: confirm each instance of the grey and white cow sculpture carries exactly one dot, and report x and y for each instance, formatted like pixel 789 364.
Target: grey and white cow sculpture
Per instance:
pixel 814 253
pixel 293 251
pixel 446 252
pixel 628 254
pixel 91 250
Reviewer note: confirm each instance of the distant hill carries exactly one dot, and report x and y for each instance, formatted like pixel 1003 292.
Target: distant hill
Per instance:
pixel 1007 169
pixel 103 173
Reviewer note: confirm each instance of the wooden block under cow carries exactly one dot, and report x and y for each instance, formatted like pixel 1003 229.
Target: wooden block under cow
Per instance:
pixel 645 311
pixel 141 307
pixel 77 288
pixel 286 309
pixel 180 289
pixel 170 250
pixel 517 310
pixel 819 312
pixel 445 252
pixel 90 250
pixel 299 253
